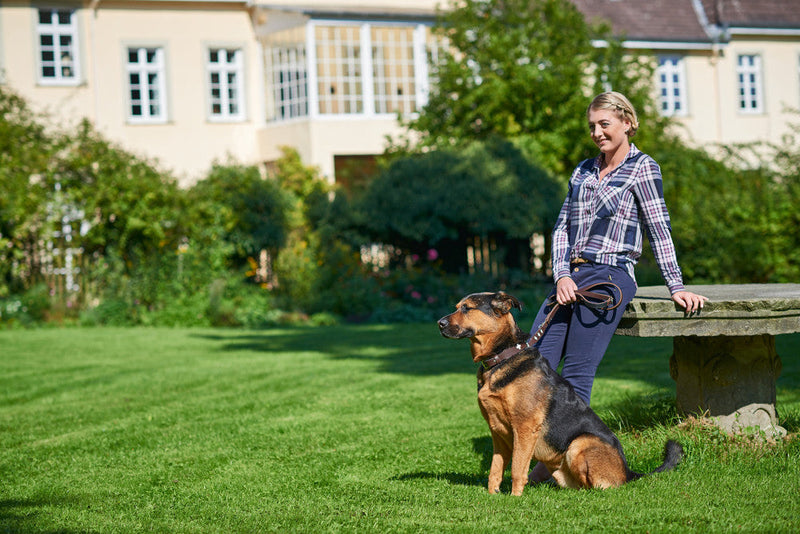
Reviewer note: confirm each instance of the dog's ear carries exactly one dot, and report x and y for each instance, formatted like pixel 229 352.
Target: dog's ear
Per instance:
pixel 503 302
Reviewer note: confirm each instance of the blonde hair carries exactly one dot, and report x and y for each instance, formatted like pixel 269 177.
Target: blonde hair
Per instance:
pixel 618 103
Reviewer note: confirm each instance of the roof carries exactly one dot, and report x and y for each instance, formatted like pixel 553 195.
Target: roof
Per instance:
pixel 647 20
pixel 753 13
pixel 696 21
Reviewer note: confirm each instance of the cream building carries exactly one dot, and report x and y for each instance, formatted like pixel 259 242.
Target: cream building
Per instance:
pixel 192 82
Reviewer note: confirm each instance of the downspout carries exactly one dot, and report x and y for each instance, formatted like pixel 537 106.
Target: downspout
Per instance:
pixel 93 6
pixel 718 36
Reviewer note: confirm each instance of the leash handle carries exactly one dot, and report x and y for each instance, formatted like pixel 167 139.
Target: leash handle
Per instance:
pixel 587 297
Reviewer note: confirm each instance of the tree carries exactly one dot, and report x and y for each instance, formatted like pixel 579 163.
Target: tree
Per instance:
pixel 524 68
pixel 25 152
pixel 252 212
pixel 445 197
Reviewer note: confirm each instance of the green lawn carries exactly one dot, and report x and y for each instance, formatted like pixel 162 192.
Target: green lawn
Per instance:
pixel 346 429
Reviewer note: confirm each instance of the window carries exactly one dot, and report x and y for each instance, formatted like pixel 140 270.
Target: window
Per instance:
pixel 57 35
pixel 393 69
pixel 145 70
pixel 748 70
pixel 289 75
pixel 350 69
pixel 671 84
pixel 225 68
pixel 339 73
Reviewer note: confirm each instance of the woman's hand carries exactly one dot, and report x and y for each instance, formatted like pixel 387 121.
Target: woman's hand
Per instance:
pixel 689 301
pixel 565 291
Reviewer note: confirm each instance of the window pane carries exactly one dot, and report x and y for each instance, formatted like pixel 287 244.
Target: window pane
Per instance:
pixel 339 69
pixel 145 71
pixel 225 78
pixel 393 69
pixel 287 70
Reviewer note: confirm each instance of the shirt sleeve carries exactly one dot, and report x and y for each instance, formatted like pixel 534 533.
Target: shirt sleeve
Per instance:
pixel 561 247
pixel 649 191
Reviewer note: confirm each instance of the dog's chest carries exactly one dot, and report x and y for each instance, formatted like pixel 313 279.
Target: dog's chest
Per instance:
pixel 494 409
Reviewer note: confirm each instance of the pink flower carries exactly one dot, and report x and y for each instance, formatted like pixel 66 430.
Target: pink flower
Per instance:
pixel 433 254
pixel 416 295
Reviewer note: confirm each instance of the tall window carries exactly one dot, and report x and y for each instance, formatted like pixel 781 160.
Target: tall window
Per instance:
pixel 748 70
pixel 393 69
pixel 147 87
pixel 672 85
pixel 57 35
pixel 290 79
pixel 339 73
pixel 225 77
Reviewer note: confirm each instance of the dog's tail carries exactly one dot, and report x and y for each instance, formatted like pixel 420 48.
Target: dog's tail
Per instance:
pixel 673 453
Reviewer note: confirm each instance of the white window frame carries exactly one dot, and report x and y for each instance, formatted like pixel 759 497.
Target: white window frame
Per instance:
pixel 342 77
pixel 290 81
pixel 343 69
pixel 231 91
pixel 145 68
pixel 749 82
pixel 395 53
pixel 671 84
pixel 62 53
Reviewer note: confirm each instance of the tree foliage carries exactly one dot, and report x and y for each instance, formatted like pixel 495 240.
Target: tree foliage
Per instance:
pixel 522 68
pixel 253 212
pixel 448 195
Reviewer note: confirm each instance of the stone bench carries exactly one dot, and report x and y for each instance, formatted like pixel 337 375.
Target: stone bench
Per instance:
pixel 724 361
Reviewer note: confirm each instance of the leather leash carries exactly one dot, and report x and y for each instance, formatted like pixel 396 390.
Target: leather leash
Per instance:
pixel 587 297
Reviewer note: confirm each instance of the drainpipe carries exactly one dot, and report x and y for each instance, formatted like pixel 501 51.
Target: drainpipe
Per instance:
pixel 718 36
pixel 93 6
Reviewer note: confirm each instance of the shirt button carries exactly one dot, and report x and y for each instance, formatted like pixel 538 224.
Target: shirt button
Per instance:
pixel 576 269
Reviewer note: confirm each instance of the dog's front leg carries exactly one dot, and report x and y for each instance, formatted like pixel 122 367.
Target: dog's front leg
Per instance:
pixel 500 458
pixel 521 463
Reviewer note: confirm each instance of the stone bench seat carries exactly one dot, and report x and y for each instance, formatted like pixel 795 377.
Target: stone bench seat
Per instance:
pixel 724 361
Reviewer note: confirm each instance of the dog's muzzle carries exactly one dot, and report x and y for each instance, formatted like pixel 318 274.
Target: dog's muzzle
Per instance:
pixel 451 330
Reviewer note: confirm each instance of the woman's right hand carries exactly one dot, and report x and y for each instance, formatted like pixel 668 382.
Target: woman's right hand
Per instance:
pixel 565 291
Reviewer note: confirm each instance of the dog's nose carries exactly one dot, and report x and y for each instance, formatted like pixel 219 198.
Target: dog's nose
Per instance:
pixel 443 322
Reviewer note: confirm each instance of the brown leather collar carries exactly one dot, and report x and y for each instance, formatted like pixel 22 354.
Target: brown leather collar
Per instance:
pixel 488 363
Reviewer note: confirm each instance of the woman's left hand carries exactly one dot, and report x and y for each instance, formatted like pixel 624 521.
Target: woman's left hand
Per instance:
pixel 690 302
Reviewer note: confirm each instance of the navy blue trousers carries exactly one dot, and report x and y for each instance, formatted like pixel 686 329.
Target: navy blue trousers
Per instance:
pixel 579 335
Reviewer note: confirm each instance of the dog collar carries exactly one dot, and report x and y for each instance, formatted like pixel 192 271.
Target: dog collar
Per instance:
pixel 488 363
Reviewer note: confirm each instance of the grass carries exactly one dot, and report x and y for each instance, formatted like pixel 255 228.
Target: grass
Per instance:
pixel 342 429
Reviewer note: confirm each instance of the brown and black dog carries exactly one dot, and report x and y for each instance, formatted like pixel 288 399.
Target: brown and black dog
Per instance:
pixel 531 410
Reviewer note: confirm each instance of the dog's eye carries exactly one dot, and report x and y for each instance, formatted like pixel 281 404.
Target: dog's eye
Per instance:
pixel 465 308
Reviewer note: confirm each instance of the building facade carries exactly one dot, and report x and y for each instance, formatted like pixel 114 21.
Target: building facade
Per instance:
pixel 191 82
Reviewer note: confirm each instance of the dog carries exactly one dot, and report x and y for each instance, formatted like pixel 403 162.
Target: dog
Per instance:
pixel 532 412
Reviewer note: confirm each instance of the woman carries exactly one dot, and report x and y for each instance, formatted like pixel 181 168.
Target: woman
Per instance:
pixel 598 238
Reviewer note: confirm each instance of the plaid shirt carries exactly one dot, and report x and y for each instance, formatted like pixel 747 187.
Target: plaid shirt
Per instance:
pixel 602 221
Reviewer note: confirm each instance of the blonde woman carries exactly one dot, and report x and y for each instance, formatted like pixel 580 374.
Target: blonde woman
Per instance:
pixel 612 201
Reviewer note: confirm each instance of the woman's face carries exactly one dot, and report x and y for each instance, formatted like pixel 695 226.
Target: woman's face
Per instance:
pixel 608 131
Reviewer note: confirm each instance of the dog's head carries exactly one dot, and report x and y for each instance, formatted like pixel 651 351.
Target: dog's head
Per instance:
pixel 480 314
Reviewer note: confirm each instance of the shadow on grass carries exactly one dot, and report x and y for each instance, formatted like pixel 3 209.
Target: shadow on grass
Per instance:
pixel 419 350
pixel 402 349
pixel 19 515
pixel 481 446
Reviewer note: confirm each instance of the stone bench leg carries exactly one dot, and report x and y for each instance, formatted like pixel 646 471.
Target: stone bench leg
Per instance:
pixel 730 378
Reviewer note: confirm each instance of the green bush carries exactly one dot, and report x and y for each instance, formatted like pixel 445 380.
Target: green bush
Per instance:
pixel 443 198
